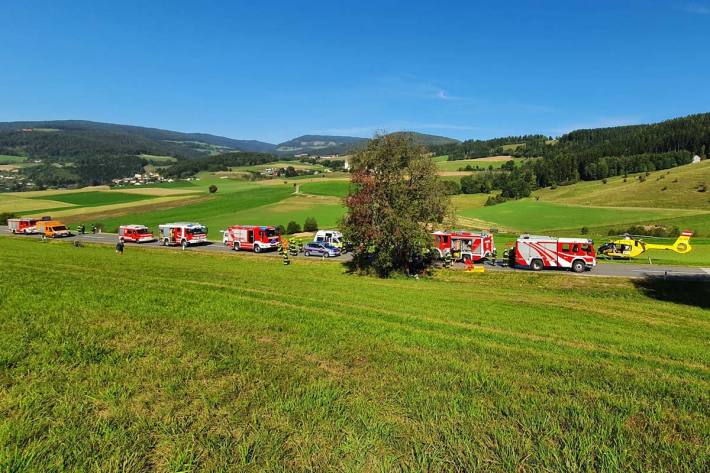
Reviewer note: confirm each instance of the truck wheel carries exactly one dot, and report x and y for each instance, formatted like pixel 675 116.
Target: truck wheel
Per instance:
pixel 306 253
pixel 235 247
pixel 326 255
pixel 257 249
pixel 578 266
pixel 536 265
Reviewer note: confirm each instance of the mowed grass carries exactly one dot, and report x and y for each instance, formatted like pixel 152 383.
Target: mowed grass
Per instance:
pixel 336 188
pixel 95 199
pixel 218 211
pixel 528 215
pixel 279 164
pixel 672 188
pixel 193 363
pixel 15 204
pixel 495 161
pixel 10 159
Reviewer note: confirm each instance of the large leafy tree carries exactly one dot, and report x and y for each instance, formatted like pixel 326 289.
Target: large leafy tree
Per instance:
pixel 395 199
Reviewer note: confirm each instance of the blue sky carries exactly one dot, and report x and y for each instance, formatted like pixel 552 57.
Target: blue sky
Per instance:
pixel 275 70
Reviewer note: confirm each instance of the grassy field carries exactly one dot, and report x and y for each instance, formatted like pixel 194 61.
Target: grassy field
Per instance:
pixel 9 159
pixel 484 163
pixel 192 363
pixel 673 188
pixel 94 199
pixel 329 187
pixel 528 215
pixel 160 160
pixel 280 164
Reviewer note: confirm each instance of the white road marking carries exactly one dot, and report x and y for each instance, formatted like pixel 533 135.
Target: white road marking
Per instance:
pixel 670 272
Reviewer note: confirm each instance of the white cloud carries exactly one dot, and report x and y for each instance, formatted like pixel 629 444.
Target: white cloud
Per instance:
pixel 697 9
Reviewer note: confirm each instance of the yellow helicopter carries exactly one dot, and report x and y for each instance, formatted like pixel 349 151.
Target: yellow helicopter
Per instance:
pixel 631 247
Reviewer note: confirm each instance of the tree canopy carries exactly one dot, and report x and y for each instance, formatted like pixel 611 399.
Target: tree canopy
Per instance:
pixel 395 197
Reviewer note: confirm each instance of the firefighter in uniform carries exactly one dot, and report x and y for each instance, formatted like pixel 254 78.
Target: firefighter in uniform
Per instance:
pixel 293 247
pixel 284 253
pixel 448 261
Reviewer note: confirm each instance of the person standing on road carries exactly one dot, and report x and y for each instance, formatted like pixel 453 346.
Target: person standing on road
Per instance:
pixel 119 247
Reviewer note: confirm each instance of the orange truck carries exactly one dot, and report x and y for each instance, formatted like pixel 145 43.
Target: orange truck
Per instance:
pixel 53 229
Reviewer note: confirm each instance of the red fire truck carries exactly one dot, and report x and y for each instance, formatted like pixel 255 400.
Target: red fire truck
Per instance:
pixel 538 252
pixel 252 237
pixel 24 226
pixel 464 246
pixel 182 233
pixel 135 234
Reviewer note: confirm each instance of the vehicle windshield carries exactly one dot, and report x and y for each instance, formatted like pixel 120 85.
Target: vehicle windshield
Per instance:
pixel 142 231
pixel 59 228
pixel 271 233
pixel 196 230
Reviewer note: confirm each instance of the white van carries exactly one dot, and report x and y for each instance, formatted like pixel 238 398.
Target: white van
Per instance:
pixel 334 237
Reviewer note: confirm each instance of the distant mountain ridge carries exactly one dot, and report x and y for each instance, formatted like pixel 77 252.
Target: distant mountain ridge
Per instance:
pixel 117 139
pixel 74 139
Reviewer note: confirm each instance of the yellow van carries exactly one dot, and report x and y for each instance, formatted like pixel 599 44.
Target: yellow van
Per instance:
pixel 53 229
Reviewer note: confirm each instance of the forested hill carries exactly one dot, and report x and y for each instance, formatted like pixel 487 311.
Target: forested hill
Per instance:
pixel 72 139
pixel 691 133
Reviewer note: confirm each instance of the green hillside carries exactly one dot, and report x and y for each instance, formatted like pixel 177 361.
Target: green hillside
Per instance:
pixel 673 188
pixel 307 367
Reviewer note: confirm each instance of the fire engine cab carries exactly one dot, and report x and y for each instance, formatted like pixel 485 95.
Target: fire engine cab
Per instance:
pixel 464 246
pixel 25 226
pixel 252 237
pixel 135 234
pixel 538 252
pixel 182 233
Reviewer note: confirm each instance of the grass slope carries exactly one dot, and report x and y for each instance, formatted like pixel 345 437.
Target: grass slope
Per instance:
pixel 496 162
pixel 217 211
pixel 94 199
pixel 193 363
pixel 528 215
pixel 674 188
pixel 9 159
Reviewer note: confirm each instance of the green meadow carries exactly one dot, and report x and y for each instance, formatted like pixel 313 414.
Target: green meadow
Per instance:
pixel 483 163
pixel 95 199
pixel 194 364
pixel 528 215
pixel 9 159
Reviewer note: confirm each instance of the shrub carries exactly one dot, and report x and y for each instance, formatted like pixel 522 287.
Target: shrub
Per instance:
pixel 310 225
pixel 584 230
pixel 702 187
pixel 450 187
pixel 604 181
pixel 642 178
pixel 292 228
pixel 6 215
pixel 281 229
pixel 213 189
pixel 493 200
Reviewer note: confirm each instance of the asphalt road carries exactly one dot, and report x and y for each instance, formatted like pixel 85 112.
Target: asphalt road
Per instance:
pixel 628 270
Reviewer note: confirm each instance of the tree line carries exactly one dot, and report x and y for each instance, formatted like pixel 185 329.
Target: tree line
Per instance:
pixel 221 162
pixel 84 171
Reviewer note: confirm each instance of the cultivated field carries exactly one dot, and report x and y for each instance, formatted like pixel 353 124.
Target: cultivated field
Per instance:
pixel 562 211
pixel 9 159
pixel 193 363
pixel 493 161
